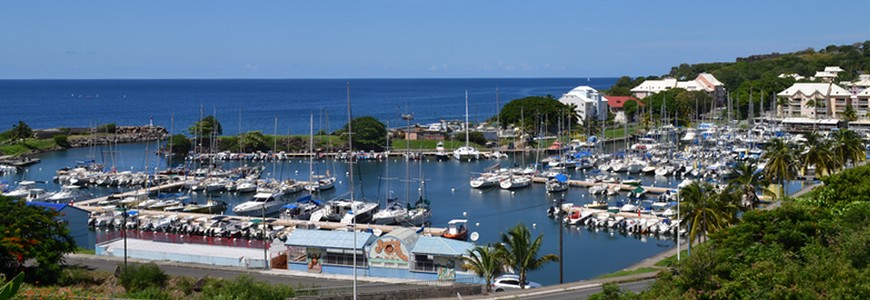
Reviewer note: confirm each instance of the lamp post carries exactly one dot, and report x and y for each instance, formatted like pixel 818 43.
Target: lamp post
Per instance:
pixel 679 223
pixel 266 262
pixel 561 229
pixel 123 210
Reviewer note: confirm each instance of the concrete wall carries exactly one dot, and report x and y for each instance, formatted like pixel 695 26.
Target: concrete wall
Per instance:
pixel 423 292
pixel 330 269
pixel 184 258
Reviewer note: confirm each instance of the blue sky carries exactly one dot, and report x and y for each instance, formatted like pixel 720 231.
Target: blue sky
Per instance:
pixel 401 39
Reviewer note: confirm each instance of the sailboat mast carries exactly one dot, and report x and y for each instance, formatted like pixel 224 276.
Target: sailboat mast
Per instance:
pixel 466 118
pixel 311 152
pixel 350 171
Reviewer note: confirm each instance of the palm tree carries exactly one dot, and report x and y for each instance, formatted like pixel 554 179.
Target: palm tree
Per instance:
pixel 817 153
pixel 706 209
pixel 747 182
pixel 781 163
pixel 520 252
pixel 486 262
pixel 847 147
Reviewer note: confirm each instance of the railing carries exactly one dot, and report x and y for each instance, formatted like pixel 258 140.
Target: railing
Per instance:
pixel 367 288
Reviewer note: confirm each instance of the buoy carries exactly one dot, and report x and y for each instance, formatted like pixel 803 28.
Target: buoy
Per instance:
pixel 452 190
pixel 464 213
pixel 534 225
pixel 477 224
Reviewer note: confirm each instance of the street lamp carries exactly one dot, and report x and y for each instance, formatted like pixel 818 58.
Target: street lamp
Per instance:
pixel 266 262
pixel 559 213
pixel 123 209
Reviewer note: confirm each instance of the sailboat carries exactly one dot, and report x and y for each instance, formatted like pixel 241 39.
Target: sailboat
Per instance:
pixel 466 152
pixel 393 209
pixel 316 183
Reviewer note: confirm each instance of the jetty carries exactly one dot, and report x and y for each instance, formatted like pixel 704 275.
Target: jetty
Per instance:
pixel 622 187
pixel 18 161
pixel 91 205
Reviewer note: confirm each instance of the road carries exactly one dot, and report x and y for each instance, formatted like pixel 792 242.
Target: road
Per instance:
pixel 584 293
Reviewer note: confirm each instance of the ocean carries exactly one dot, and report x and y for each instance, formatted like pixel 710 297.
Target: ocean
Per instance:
pixel 87 103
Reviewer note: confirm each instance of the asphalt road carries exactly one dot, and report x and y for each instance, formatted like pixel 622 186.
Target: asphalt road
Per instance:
pixel 584 293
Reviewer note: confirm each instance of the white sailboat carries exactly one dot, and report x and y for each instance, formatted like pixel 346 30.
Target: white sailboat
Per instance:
pixel 466 152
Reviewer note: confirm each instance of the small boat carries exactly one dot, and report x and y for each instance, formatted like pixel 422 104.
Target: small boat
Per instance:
pixel 69 193
pixel 456 229
pixel 515 182
pixel 485 181
pixel 209 207
pixel 261 204
pixel 302 209
pixel 362 211
pixel 440 153
pixel 596 205
pixel 554 185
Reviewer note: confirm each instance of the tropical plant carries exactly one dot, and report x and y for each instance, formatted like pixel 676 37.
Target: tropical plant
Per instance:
pixel 8 290
pixel 32 239
pixel 782 163
pixel 706 209
pixel 847 148
pixel 520 252
pixel 747 182
pixel 849 114
pixel 486 262
pixel 21 131
pixel 816 152
pixel 368 134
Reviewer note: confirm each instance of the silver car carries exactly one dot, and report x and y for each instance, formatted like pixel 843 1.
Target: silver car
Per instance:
pixel 511 282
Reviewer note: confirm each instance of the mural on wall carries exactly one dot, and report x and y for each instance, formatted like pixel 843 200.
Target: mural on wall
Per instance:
pixel 389 249
pixel 447 271
pixel 315 265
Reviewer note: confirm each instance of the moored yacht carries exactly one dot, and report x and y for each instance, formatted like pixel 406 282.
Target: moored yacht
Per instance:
pixel 262 203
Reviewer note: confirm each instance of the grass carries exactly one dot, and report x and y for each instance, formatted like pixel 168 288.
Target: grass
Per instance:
pixel 27 146
pixel 613 133
pixel 670 261
pixel 400 144
pixel 81 250
pixel 629 272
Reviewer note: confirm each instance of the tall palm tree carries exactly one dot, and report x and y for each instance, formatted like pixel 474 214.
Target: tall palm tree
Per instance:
pixel 747 182
pixel 706 209
pixel 817 153
pixel 486 262
pixel 781 163
pixel 847 148
pixel 520 252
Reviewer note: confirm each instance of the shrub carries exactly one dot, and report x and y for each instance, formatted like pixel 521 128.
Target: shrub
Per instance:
pixel 141 277
pixel 74 275
pixel 61 141
pixel 244 287
pixel 150 292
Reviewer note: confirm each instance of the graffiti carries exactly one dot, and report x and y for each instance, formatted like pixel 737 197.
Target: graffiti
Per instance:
pixel 391 249
pixel 447 272
pixel 315 265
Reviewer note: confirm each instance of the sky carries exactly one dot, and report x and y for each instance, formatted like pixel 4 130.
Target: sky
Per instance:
pixel 404 38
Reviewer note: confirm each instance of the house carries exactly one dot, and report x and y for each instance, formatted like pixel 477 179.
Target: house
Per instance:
pixel 588 102
pixel 704 82
pixel 814 100
pixel 401 253
pixel 76 220
pixel 616 104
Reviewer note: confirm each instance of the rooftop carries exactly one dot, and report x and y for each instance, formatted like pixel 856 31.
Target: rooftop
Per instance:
pixel 329 239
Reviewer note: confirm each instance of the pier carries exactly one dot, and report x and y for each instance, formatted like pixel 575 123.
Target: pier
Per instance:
pixel 622 187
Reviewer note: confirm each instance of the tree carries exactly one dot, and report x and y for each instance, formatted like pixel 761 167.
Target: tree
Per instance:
pixel 520 252
pixel 476 137
pixel 847 147
pixel 206 130
pixel 630 108
pixel 181 145
pixel 368 134
pixel 781 164
pixel 706 210
pixel 61 141
pixel 31 233
pixel 484 261
pixel 255 141
pixel 21 131
pixel 533 111
pixel 747 182
pixel 849 114
pixel 817 153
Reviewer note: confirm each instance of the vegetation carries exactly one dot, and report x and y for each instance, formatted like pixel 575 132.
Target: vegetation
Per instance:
pixel 486 262
pixel 28 146
pixel 530 112
pixel 32 241
pixel 706 210
pixel 520 252
pixel 61 141
pixel 9 289
pixel 107 128
pixel 368 134
pixel 140 277
pixel 611 291
pixel 629 272
pixel 206 129
pixel 244 287
pixel 181 145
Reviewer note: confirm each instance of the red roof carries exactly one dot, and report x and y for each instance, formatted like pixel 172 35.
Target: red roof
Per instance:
pixel 619 101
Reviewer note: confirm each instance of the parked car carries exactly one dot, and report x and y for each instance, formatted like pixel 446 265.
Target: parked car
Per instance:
pixel 511 282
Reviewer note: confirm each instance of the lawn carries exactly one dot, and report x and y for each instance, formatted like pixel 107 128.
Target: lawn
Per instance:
pixel 27 146
pixel 629 272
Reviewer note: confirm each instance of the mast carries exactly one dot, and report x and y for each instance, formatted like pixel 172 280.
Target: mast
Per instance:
pixel 311 153
pixel 466 118
pixel 350 171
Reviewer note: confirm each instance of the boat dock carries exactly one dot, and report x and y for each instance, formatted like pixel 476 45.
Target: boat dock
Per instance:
pixel 622 187
pixel 91 205
pixel 18 161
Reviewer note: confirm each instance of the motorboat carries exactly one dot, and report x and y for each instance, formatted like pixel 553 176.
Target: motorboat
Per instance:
pixel 302 209
pixel 440 153
pixel 362 211
pixel 320 183
pixel 485 181
pixel 554 185
pixel 69 193
pixel 456 229
pixel 22 190
pixel 209 207
pixel 261 204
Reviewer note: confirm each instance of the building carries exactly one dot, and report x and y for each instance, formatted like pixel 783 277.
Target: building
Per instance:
pixel 76 220
pixel 704 82
pixel 401 253
pixel 815 100
pixel 616 104
pixel 588 101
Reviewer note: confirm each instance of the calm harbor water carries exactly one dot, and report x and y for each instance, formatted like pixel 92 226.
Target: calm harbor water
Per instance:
pixel 588 253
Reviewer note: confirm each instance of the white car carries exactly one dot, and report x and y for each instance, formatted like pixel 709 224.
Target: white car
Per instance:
pixel 511 282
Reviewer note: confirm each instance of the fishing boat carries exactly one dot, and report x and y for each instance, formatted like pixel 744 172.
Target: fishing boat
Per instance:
pixel 456 229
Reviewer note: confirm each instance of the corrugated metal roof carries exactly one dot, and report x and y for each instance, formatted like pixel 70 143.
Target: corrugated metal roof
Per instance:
pixel 441 246
pixel 407 236
pixel 54 206
pixel 328 239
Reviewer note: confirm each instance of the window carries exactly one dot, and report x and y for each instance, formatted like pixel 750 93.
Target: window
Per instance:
pixel 422 263
pixel 344 259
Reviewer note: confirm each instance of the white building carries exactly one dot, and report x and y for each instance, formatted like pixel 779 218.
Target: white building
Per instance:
pixel 589 102
pixel 704 82
pixel 831 100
